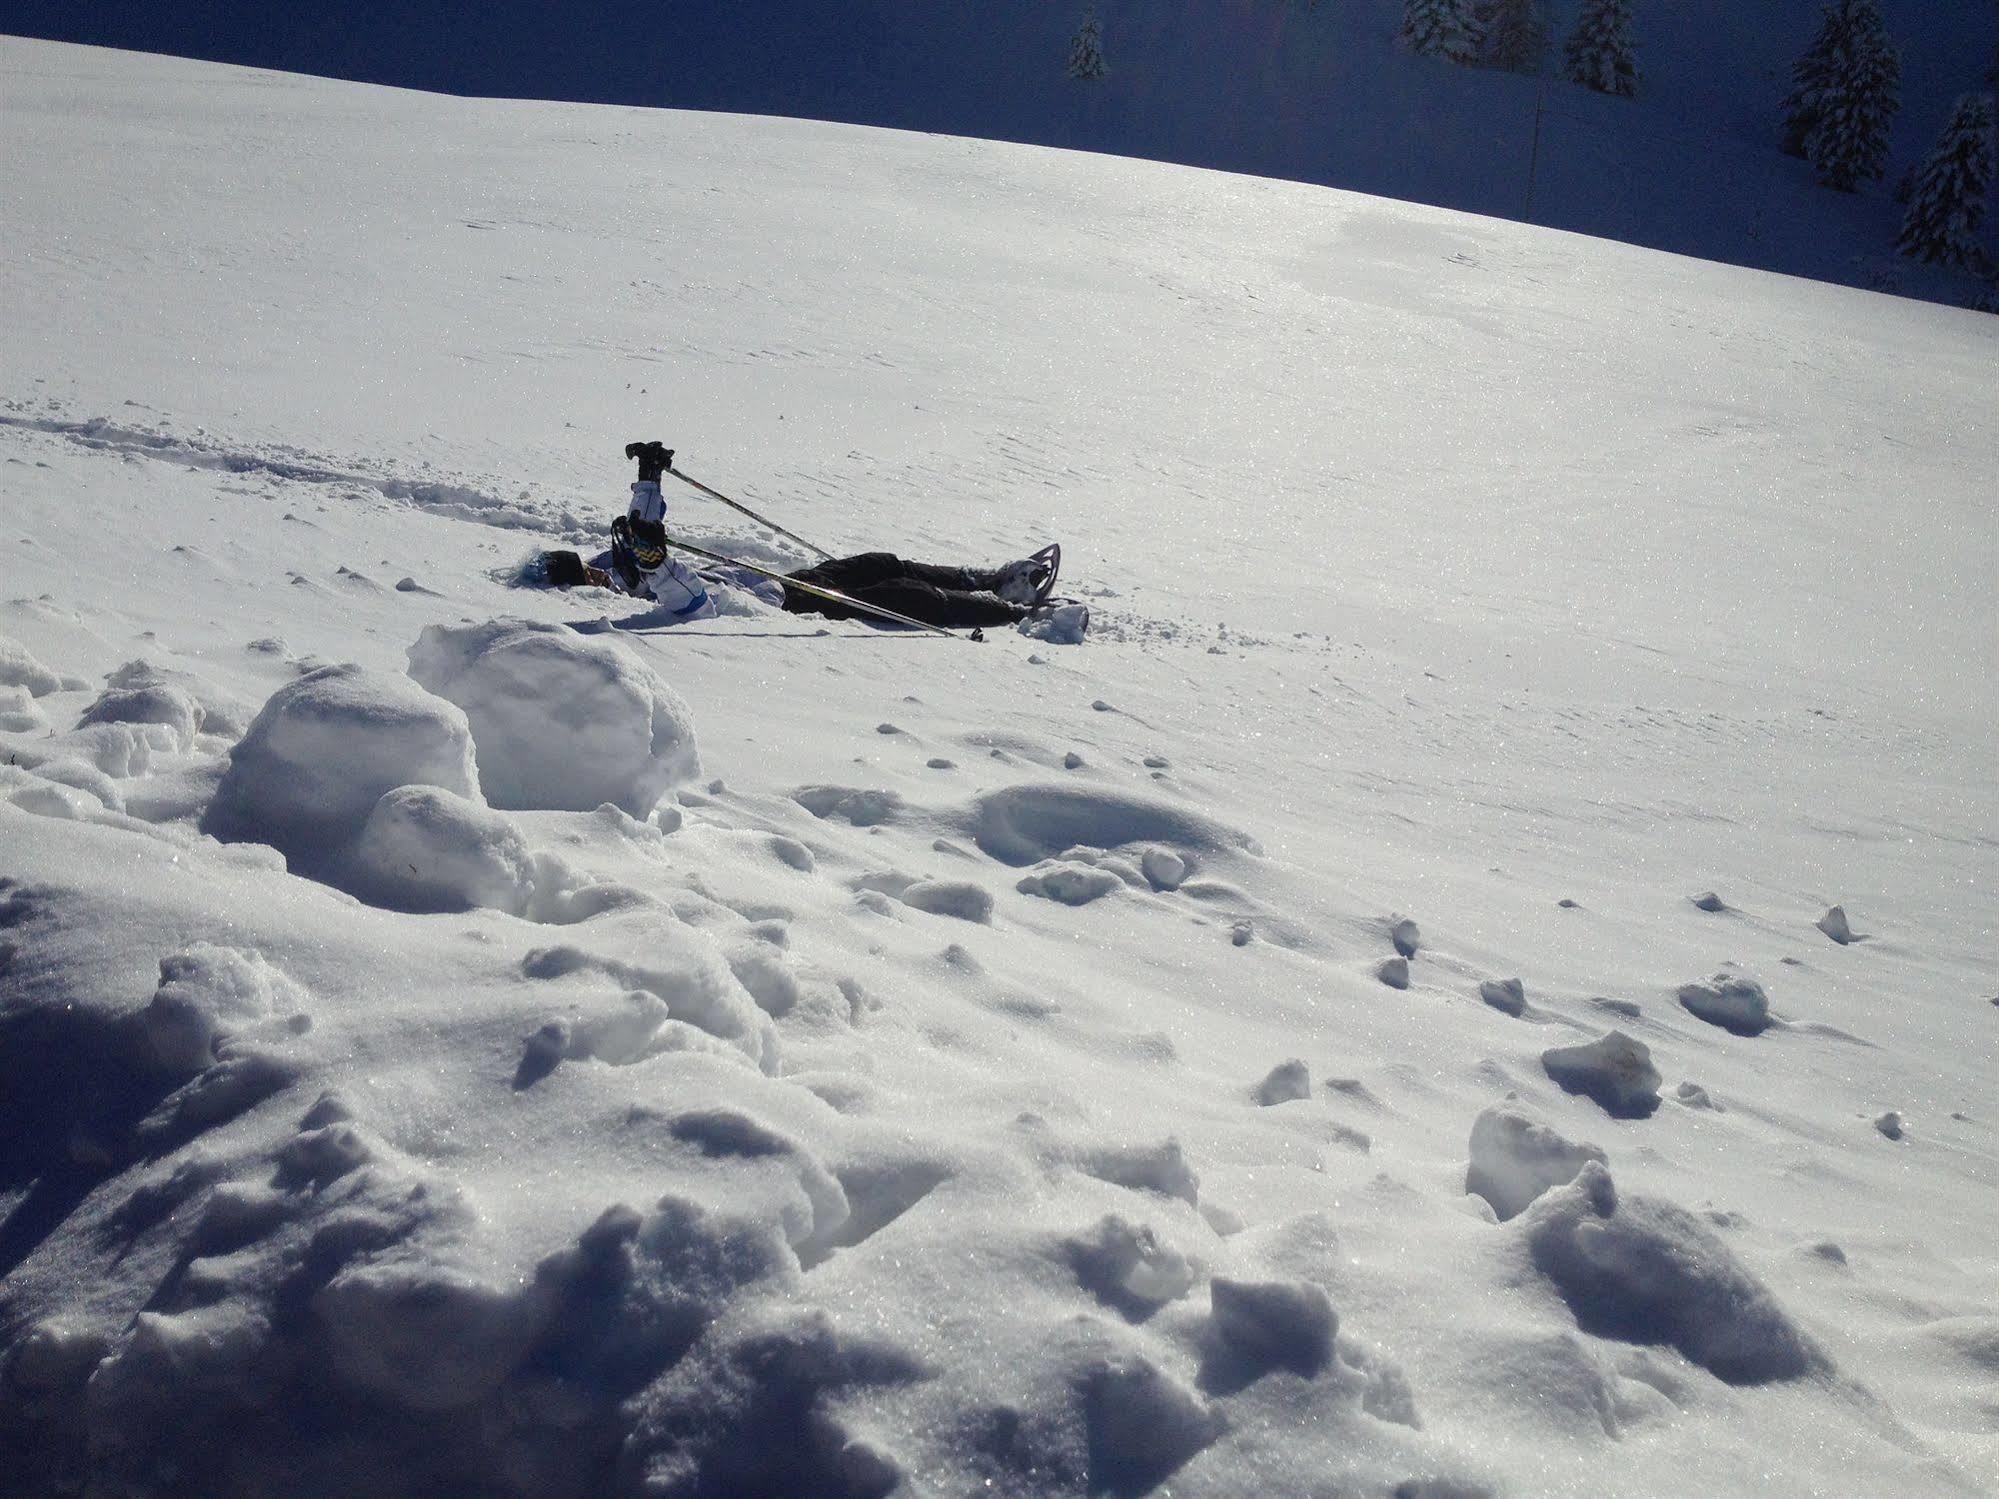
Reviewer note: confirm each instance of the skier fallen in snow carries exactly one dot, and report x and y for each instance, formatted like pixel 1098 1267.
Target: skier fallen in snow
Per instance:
pixel 879 583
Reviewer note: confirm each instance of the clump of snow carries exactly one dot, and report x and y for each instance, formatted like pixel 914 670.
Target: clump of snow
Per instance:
pixel 1615 1070
pixel 965 899
pixel 1129 1268
pixel 1890 1124
pixel 1835 926
pixel 1284 1082
pixel 315 761
pixel 19 668
pixel 1065 624
pixel 863 807
pixel 1163 868
pixel 18 713
pixel 1694 1096
pixel 560 720
pixel 1070 883
pixel 1263 1325
pixel 138 694
pixel 209 993
pixel 1707 900
pixel 1515 1157
pixel 1405 934
pixel 1393 972
pixel 1508 996
pixel 1732 1001
pixel 424 848
pixel 1026 824
pixel 1646 1271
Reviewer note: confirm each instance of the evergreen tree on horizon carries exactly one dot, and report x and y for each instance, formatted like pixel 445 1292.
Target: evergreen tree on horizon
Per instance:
pixel 1849 89
pixel 1599 54
pixel 1440 28
pixel 1947 201
pixel 1086 51
pixel 1514 35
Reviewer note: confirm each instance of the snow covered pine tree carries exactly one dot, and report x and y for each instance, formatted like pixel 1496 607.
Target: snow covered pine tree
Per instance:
pixel 1844 93
pixel 1514 35
pixel 1598 54
pixel 1086 51
pixel 1947 203
pixel 1440 28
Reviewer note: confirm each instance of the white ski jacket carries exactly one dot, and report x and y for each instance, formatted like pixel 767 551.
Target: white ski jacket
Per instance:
pixel 688 594
pixel 679 589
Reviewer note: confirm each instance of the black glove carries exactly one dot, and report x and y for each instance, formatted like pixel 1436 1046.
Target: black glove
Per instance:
pixel 655 458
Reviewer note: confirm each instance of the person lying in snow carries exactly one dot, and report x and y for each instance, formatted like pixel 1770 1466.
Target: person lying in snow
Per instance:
pixel 950 597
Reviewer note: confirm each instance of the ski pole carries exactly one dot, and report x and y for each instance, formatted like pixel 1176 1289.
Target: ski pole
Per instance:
pixel 833 594
pixel 714 494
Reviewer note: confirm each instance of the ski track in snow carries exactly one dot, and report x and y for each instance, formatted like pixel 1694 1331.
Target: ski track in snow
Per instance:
pixel 442 1049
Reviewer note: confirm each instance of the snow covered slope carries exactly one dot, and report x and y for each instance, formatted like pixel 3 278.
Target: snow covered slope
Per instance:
pixel 1007 1067
pixel 1315 92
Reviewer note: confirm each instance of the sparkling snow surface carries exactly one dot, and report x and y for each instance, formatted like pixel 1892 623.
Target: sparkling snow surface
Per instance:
pixel 1008 1068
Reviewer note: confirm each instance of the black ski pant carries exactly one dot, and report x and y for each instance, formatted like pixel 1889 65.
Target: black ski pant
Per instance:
pixel 956 598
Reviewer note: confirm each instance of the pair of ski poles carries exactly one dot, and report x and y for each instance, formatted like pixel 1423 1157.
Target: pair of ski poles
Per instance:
pixel 833 595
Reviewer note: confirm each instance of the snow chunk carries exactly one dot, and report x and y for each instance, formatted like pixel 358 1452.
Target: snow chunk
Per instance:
pixel 1125 1266
pixel 1394 972
pixel 1071 884
pixel 18 713
pixel 1265 1325
pixel 425 849
pixel 208 993
pixel 1163 868
pixel 1707 900
pixel 1284 1082
pixel 138 694
pixel 427 1335
pixel 1645 1271
pixel 1516 1157
pixel 1027 824
pixel 1508 996
pixel 561 720
pixel 20 669
pixel 322 752
pixel 1731 1001
pixel 1614 1070
pixel 1890 1124
pixel 960 898
pixel 1405 934
pixel 1064 624
pixel 1834 925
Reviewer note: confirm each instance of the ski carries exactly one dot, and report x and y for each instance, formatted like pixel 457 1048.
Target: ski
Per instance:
pixel 832 594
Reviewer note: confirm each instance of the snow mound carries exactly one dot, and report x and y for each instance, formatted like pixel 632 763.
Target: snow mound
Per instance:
pixel 1516 1157
pixel 1129 1268
pixel 1835 925
pixel 1027 824
pixel 755 1413
pixel 18 713
pixel 1731 1001
pixel 139 694
pixel 1645 1271
pixel 18 668
pixel 322 752
pixel 427 849
pixel 1261 1326
pixel 1285 1082
pixel 1508 996
pixel 207 995
pixel 561 720
pixel 1614 1070
pixel 1071 884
